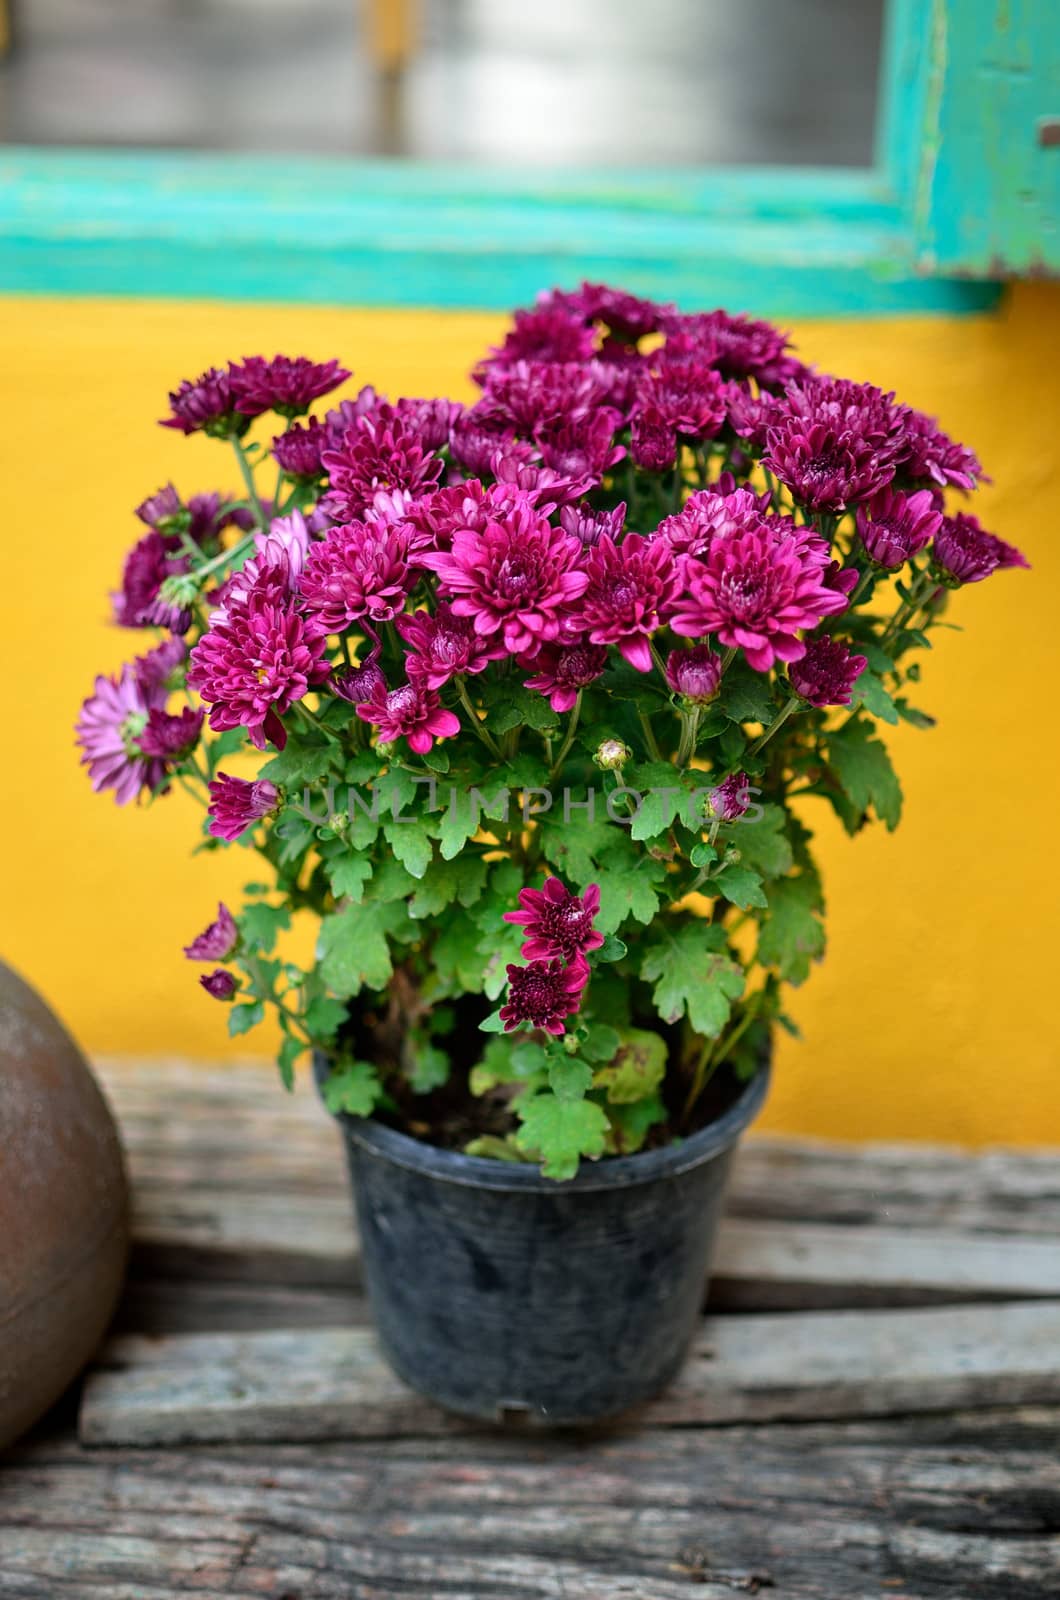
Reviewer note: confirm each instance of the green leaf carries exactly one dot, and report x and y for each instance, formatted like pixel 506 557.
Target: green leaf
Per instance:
pixel 527 1057
pixel 244 1017
pixel 864 769
pixel 637 1070
pixel 353 951
pixel 693 976
pixel 353 1087
pixel 260 923
pixel 457 958
pixel 792 935
pixel 297 834
pixel 569 1078
pixel 612 949
pixel 703 855
pixel 290 1050
pixel 301 763
pixel 763 843
pixel 558 1132
pixel 430 1067
pixel 324 1016
pixel 628 880
pixel 410 844
pixel 873 696
pixel 493 1148
pixel 746 695
pixel 521 708
pixel 664 792
pixel 390 882
pixel 742 885
pixel 631 1124
pixel 348 873
pixel 500 948
pixel 600 1042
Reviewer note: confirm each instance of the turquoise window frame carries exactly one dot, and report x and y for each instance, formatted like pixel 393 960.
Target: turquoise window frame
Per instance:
pixel 930 227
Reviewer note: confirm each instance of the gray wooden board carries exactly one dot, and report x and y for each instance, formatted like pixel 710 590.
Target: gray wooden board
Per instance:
pixel 320 1383
pixel 963 1506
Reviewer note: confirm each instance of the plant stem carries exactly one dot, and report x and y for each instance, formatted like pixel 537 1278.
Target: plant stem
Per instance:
pixel 713 1054
pixel 226 555
pixel 780 718
pixel 572 727
pixel 689 728
pixel 862 585
pixel 248 478
pixel 649 738
pixel 475 722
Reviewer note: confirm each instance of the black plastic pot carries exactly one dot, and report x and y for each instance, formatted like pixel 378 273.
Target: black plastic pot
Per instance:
pixel 500 1293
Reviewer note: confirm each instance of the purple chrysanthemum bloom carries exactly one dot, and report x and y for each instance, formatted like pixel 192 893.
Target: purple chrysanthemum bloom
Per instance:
pixel 582 446
pixel 687 393
pixel 544 994
pixel 412 712
pixel 432 421
pixel 964 552
pixel 160 668
pixel 707 513
pixel 632 588
pixel 255 662
pixel 138 604
pixel 544 487
pixel 694 674
pixel 432 520
pixel 236 805
pixel 171 738
pixel 444 646
pixel 844 580
pixel 653 440
pixel 109 728
pixel 626 316
pixel 926 452
pixel 365 403
pixel 217 942
pixel 287 385
pixel 356 571
pixel 827 468
pixel 358 685
pixel 731 798
pixel 739 347
pixel 206 404
pixel 207 518
pixel 558 925
pixel 544 333
pixel 161 509
pixel 517 578
pixel 827 672
pixel 752 415
pixel 477 435
pixel 755 587
pixel 560 669
pixel 377 452
pixel 219 984
pixel 894 527
pixel 299 451
pixel 529 393
pixel 584 523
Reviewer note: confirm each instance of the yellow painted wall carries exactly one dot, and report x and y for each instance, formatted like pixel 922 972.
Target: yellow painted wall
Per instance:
pixel 935 1014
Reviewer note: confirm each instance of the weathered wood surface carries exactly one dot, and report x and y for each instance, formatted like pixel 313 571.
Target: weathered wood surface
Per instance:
pixel 234 1179
pixel 959 1506
pixel 326 1383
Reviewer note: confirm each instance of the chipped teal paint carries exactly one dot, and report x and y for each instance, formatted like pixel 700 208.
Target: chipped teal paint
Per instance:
pixel 987 202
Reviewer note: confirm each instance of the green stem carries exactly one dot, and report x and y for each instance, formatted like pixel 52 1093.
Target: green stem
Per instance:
pixel 572 727
pixel 909 608
pixel 226 555
pixel 713 1054
pixel 248 478
pixel 475 721
pixel 689 728
pixel 780 718
pixel 862 585
pixel 649 738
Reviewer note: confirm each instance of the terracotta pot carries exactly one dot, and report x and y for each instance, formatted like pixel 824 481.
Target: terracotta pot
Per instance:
pixel 63 1209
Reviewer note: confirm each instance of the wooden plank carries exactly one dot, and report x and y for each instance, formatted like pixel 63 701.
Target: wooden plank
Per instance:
pixel 333 1383
pixel 959 1506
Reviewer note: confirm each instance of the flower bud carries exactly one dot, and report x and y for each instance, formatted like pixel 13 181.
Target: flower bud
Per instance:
pixel 358 685
pixel 612 754
pixel 694 674
pixel 731 798
pixel 220 984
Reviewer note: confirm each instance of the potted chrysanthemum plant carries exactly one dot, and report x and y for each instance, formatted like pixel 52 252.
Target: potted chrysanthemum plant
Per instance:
pixel 528 704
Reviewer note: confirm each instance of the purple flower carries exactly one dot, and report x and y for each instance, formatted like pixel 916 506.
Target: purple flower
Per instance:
pixel 364 404
pixel 826 468
pixel 694 674
pixel 545 333
pixel 561 669
pixel 558 925
pixel 255 662
pixel 358 685
pixel 161 508
pixel 518 577
pixel 705 514
pixel 218 941
pixel 739 347
pixel 544 994
pixel 476 436
pixel 432 421
pixel 412 712
pixel 731 798
pixel 581 446
pixel 827 672
pixel 356 571
pixel 626 316
pixel 894 527
pixel 433 520
pixel 206 404
pixel 927 453
pixel 299 451
pixel 444 646
pixel 235 804
pixel 687 393
pixel 109 728
pixel 583 523
pixel 137 604
pixel 377 452
pixel 755 586
pixel 160 668
pixel 964 552
pixel 286 384
pixel 544 487
pixel 529 393
pixel 653 440
pixel 220 984
pixel 632 588
pixel 171 738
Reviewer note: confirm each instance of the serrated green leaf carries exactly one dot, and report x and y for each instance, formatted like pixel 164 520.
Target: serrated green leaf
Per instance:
pixel 638 1067
pixel 762 842
pixel 792 934
pixel 457 958
pixel 494 1149
pixel 301 763
pixel 429 1068
pixel 600 1042
pixel 242 1018
pixel 746 695
pixel 692 975
pixel 628 881
pixel 742 885
pixel 869 690
pixel 631 1124
pixel 410 844
pixel 296 832
pixel 353 951
pixel 289 1052
pixel 260 923
pixel 324 1016
pixel 864 769
pixel 569 1078
pixel 353 1087
pixel 558 1132
pixel 612 949
pixel 348 873
pixel 703 855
